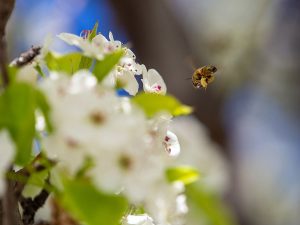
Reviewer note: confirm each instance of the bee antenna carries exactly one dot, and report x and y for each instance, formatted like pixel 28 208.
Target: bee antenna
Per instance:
pixel 188 78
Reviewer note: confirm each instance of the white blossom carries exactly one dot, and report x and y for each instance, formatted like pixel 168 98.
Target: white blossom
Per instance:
pixel 153 82
pixel 199 151
pixel 94 48
pixel 124 72
pixel 142 219
pixel 27 74
pixel 7 152
pixel 165 140
pixel 171 144
pixel 91 121
pixel 166 203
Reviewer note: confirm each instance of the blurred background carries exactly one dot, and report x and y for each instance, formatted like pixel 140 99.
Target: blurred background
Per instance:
pixel 251 112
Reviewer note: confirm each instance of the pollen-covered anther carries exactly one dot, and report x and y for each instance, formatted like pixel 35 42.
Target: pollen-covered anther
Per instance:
pixel 125 162
pixel 61 91
pixel 157 88
pixel 97 118
pixel 72 143
pixel 167 138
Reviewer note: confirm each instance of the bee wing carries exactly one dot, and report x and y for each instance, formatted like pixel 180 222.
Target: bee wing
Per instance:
pixel 210 79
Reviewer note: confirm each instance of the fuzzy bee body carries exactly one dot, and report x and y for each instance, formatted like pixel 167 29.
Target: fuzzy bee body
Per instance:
pixel 203 76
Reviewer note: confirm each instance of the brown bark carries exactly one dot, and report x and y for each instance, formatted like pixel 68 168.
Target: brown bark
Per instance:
pixel 6 8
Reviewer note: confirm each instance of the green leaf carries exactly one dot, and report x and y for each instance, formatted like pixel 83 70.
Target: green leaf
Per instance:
pixel 68 63
pixel 153 103
pixel 83 201
pixel 44 106
pixel 208 205
pixel 85 62
pixel 39 70
pixel 38 178
pixel 17 105
pixel 103 67
pixel 12 73
pixel 185 174
pixel 93 32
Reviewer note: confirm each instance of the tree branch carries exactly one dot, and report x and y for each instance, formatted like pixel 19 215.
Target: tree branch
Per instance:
pixel 6 9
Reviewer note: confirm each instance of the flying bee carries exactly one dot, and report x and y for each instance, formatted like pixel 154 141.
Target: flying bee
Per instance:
pixel 203 76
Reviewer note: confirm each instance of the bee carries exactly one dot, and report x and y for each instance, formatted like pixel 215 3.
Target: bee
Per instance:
pixel 203 76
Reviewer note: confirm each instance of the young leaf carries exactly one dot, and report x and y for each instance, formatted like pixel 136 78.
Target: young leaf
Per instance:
pixel 184 174
pixel 68 63
pixel 17 105
pixel 93 32
pixel 44 106
pixel 87 204
pixel 103 67
pixel 153 103
pixel 85 62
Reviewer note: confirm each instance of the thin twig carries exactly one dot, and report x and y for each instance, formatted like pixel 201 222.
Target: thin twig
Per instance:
pixel 30 206
pixel 11 214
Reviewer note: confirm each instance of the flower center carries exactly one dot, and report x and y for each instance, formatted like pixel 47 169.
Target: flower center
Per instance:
pixel 72 143
pixel 125 162
pixel 85 34
pixel 97 118
pixel 157 88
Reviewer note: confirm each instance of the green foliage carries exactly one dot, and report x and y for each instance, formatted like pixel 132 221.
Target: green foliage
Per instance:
pixel 44 106
pixel 104 66
pixel 38 178
pixel 12 72
pixel 90 206
pixel 17 105
pixel 68 63
pixel 153 103
pixel 185 174
pixel 93 33
pixel 17 114
pixel 85 62
pixel 205 205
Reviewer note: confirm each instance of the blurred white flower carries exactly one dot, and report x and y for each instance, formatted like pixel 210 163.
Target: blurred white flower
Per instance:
pixel 162 139
pixel 94 122
pixel 95 48
pixel 200 152
pixel 7 152
pixel 142 219
pixel 171 144
pixel 123 77
pixel 166 204
pixel 27 74
pixel 153 82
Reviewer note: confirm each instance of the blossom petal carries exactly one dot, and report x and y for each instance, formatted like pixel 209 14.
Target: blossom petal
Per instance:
pixel 172 144
pixel 71 39
pixel 153 82
pixel 132 85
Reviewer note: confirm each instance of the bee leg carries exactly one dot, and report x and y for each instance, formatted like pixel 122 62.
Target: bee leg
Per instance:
pixel 203 82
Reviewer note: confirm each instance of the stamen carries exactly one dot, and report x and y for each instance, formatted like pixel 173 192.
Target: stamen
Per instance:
pixel 85 33
pixel 97 118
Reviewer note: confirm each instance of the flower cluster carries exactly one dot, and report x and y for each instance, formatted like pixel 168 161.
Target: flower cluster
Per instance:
pixel 127 67
pixel 128 152
pixel 90 139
